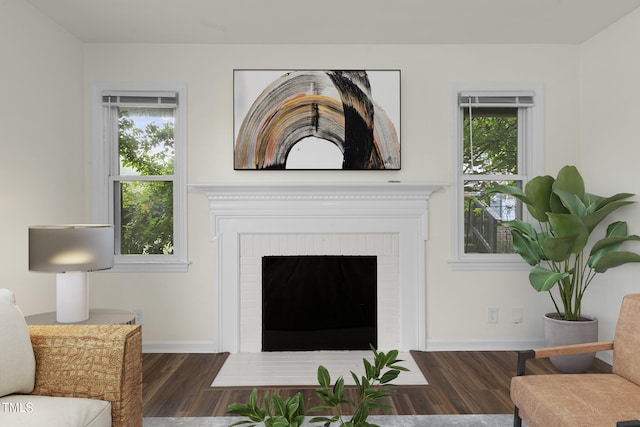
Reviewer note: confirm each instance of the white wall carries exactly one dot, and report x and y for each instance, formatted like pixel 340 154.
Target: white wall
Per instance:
pixel 41 144
pixel 47 74
pixel 179 308
pixel 610 146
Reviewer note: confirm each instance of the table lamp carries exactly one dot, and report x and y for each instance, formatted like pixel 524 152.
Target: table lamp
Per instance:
pixel 71 250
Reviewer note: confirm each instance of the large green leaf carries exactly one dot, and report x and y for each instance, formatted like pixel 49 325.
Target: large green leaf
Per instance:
pixel 556 204
pixel 253 398
pixel 591 220
pixel 607 245
pixel 279 407
pixel 569 180
pixel 605 201
pixel 572 202
pixel 516 192
pixel 617 228
pixel 558 249
pixel 615 259
pixel 523 227
pixel 528 249
pixel 239 423
pixel 324 379
pixel 389 376
pixel 544 280
pixel 325 420
pixel 567 225
pixel 360 415
pixel 391 357
pixel 338 388
pixel 592 201
pixel 616 235
pixel 510 190
pixel 280 422
pixel 292 405
pixel 538 193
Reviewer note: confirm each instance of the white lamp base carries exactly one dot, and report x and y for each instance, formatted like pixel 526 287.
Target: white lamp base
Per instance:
pixel 72 297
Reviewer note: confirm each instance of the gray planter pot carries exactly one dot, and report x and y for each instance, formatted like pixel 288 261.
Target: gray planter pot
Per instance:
pixel 562 332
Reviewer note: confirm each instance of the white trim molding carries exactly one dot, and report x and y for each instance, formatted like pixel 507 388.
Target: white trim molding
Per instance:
pixel 104 151
pixel 178 347
pixel 484 345
pixel 321 208
pixel 530 161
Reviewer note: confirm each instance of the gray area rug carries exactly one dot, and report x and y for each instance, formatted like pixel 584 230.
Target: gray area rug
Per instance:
pixel 382 420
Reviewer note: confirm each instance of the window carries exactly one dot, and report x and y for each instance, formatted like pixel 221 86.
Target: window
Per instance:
pixel 139 175
pixel 497 139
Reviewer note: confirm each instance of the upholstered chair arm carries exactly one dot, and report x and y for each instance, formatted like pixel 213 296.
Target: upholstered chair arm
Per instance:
pixel 92 361
pixel 563 350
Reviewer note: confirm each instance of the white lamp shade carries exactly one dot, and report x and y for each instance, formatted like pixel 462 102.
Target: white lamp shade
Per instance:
pixel 70 247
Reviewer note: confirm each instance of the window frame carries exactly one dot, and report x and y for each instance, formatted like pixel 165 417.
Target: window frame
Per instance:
pixel 531 164
pixel 104 152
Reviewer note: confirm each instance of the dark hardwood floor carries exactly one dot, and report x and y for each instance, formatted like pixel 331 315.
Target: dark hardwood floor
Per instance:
pixel 178 385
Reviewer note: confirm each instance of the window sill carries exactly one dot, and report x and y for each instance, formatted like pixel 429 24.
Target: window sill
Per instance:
pixel 150 267
pixel 489 264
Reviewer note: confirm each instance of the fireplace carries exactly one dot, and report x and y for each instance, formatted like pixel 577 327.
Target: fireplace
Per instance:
pixel 319 302
pixel 387 221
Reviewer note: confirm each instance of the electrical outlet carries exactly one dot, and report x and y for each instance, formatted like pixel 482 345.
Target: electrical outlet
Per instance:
pixel 139 313
pixel 492 315
pixel 516 314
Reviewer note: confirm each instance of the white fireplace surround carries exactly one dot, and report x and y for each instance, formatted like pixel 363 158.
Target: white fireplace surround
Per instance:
pixel 389 208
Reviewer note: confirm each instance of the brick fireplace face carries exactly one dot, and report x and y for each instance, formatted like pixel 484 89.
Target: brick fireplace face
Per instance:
pixel 253 247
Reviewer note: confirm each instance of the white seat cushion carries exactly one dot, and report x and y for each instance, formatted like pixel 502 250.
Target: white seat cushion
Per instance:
pixel 37 411
pixel 17 362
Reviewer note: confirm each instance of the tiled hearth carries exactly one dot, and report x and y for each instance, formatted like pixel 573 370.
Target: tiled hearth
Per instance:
pixel 388 220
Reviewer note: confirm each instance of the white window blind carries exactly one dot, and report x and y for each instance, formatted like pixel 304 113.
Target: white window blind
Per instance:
pixel 137 99
pixel 495 99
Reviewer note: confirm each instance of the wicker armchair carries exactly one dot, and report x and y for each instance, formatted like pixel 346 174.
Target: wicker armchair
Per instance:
pixel 91 361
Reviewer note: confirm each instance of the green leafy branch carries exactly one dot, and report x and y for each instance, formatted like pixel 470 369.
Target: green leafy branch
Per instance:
pixel 369 387
pixel 370 390
pixel 277 412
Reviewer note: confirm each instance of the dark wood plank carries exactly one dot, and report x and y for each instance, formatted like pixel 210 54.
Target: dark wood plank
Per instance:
pixel 172 383
pixel 459 383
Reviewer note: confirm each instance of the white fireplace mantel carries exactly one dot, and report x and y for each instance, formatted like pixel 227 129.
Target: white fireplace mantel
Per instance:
pixel 321 208
pixel 315 190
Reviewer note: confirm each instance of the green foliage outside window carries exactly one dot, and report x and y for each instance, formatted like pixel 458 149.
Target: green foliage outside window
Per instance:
pixel 490 147
pixel 146 152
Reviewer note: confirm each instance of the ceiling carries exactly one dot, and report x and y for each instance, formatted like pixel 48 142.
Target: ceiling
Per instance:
pixel 335 21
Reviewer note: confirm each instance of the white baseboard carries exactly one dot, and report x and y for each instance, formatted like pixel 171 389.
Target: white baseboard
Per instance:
pixel 483 345
pixel 498 345
pixel 179 347
pixel 432 345
pixel 606 356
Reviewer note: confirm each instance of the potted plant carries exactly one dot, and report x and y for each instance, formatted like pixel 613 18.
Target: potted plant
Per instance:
pixel 559 247
pixel 290 412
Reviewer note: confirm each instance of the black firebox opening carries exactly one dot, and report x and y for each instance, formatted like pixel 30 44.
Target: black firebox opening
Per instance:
pixel 319 303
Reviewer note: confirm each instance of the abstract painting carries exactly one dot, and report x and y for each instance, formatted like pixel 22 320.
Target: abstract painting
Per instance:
pixel 317 119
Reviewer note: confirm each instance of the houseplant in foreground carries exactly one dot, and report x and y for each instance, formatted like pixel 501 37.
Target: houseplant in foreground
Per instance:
pixel 557 245
pixel 290 412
